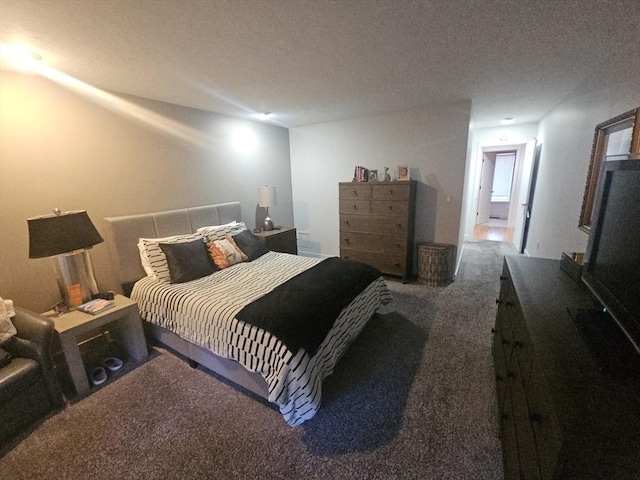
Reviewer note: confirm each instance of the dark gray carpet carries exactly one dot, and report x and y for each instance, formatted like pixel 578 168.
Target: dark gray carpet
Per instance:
pixel 413 398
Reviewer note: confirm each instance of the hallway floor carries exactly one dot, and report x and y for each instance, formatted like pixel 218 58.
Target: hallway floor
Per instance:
pixel 495 229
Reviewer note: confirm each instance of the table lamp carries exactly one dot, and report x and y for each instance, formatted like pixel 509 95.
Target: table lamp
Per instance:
pixel 266 199
pixel 66 238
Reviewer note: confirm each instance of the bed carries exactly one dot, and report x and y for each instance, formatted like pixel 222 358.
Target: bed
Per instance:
pixel 276 324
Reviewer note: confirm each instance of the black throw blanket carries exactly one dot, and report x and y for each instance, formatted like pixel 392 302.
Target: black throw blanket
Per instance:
pixel 301 311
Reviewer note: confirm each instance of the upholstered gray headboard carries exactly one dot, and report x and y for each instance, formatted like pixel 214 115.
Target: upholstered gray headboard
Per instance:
pixel 122 233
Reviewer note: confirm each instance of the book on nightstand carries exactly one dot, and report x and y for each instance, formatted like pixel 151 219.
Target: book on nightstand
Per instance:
pixel 96 306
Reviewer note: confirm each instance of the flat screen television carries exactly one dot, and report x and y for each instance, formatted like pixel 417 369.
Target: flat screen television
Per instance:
pixel 612 262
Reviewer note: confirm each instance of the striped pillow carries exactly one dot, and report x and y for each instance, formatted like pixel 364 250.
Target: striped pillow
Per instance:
pixel 153 258
pixel 220 232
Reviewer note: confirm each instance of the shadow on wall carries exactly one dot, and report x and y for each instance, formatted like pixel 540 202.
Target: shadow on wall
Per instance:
pixel 260 215
pixel 363 402
pixel 426 207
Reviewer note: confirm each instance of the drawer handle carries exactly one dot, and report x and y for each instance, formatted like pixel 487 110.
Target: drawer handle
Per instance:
pixel 398 245
pixel 346 222
pixel 355 192
pixel 390 192
pixel 502 277
pixel 354 206
pixel 346 257
pixel 396 264
pixel 493 330
pixel 498 301
pixel 499 378
pixel 398 225
pixel 346 240
pixel 390 207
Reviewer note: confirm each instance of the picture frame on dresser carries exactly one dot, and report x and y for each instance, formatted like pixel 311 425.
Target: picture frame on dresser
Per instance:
pixel 402 173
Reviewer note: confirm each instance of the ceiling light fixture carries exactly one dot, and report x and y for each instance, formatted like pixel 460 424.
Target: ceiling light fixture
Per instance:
pixel 264 115
pixel 506 121
pixel 20 58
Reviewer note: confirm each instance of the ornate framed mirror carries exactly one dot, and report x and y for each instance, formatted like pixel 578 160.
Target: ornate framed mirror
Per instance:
pixel 618 136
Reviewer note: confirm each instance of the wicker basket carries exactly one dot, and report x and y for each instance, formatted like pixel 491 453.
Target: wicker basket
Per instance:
pixel 436 264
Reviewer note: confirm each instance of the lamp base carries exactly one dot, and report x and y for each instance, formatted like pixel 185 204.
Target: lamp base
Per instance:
pixel 74 273
pixel 268 224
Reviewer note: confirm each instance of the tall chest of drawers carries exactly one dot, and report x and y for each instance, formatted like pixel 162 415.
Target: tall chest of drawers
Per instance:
pixel 377 223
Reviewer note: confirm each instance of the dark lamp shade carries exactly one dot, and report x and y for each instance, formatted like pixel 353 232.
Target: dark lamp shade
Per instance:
pixel 52 235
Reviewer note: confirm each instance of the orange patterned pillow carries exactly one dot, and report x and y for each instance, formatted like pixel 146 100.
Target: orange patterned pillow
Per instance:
pixel 217 255
pixel 225 253
pixel 243 257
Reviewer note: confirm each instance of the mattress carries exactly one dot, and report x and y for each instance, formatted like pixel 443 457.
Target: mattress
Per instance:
pixel 204 312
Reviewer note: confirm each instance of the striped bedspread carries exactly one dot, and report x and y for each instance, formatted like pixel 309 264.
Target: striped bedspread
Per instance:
pixel 204 311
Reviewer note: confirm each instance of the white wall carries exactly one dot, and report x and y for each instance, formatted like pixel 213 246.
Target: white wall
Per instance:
pixel 59 149
pixel 499 210
pixel 566 134
pixel 433 142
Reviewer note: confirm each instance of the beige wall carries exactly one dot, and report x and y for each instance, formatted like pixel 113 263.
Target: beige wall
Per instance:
pixel 433 142
pixel 61 149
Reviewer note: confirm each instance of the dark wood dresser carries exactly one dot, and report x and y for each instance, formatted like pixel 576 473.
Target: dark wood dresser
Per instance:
pixel 284 239
pixel 569 405
pixel 377 224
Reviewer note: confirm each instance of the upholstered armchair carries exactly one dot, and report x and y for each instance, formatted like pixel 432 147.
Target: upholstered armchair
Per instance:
pixel 28 386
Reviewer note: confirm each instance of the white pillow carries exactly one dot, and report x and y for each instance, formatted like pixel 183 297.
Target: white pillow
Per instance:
pixel 220 232
pixel 152 257
pixel 7 330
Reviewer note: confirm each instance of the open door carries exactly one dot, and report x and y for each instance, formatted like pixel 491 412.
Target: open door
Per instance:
pixel 484 195
pixel 525 194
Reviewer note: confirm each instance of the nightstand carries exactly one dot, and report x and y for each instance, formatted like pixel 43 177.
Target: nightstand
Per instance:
pixel 282 240
pixel 127 330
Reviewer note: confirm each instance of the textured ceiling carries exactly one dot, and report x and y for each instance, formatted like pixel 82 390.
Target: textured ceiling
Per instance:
pixel 318 61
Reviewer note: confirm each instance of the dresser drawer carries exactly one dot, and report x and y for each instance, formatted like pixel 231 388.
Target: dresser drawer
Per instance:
pixel 522 347
pixel 399 192
pixel 527 454
pixel 507 349
pixel 355 206
pixel 389 264
pixel 369 242
pixel 500 368
pixel 508 437
pixel 354 191
pixel 503 327
pixel 373 224
pixel 544 423
pixel 390 208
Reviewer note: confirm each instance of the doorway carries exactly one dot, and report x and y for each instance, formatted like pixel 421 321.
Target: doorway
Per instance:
pixel 495 195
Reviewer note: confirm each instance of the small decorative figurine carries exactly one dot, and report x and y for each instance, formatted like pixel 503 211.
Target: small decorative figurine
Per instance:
pixel 387 177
